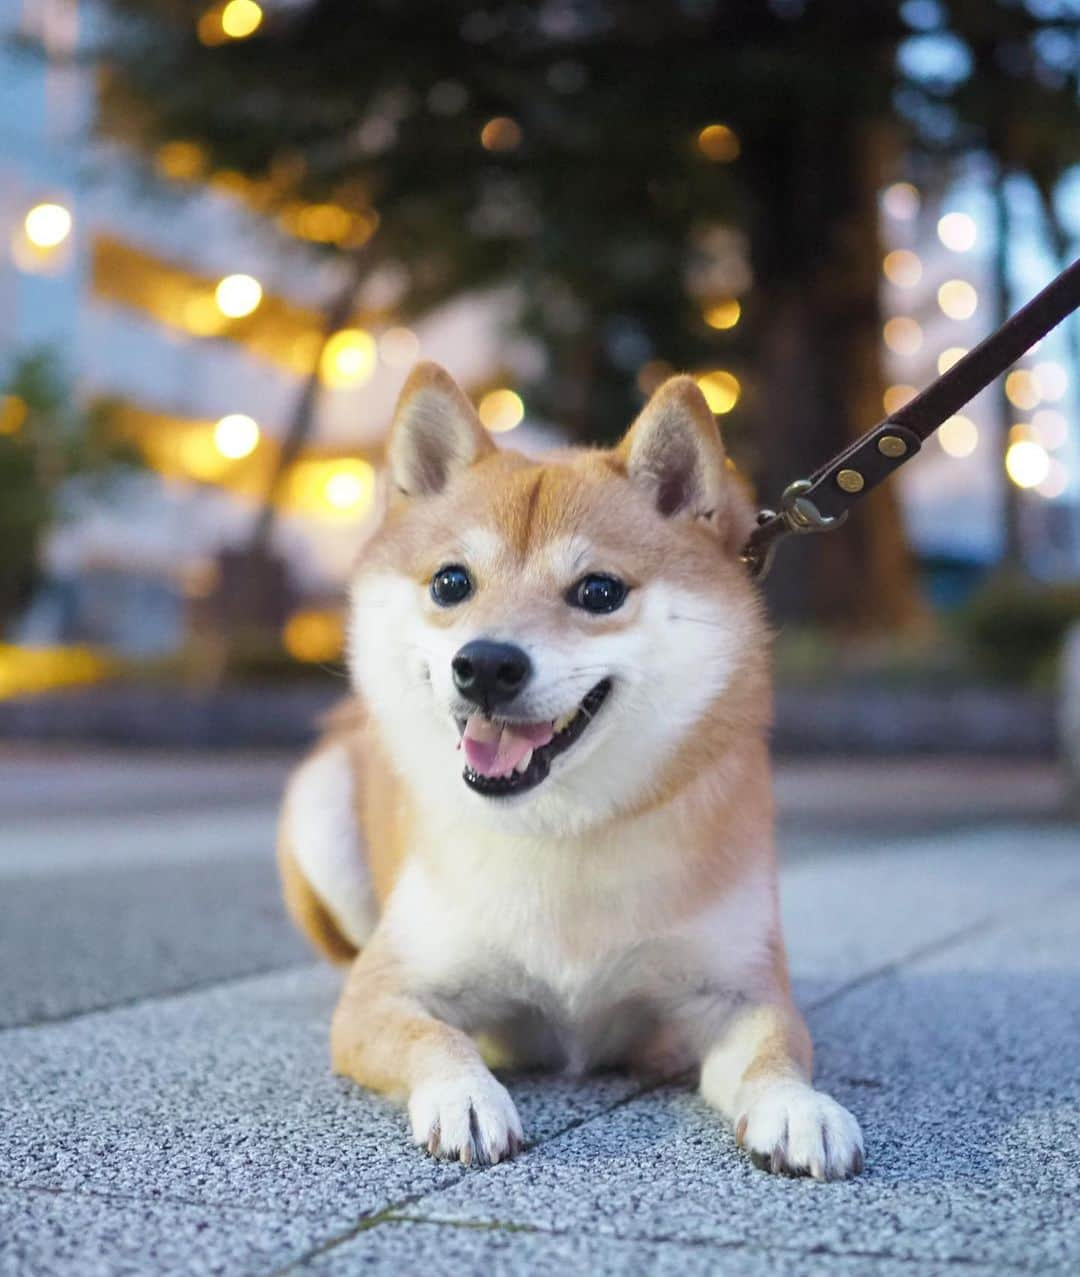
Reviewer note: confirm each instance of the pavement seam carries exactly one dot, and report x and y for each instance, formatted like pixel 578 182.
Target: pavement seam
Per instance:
pixel 392 1216
pixel 153 999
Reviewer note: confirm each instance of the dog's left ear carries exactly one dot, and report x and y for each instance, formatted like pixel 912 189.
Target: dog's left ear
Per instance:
pixel 673 451
pixel 436 433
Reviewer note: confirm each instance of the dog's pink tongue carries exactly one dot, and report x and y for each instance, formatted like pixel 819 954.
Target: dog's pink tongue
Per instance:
pixel 495 749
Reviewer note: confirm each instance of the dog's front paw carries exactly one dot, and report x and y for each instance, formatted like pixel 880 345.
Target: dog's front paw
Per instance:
pixel 791 1129
pixel 467 1118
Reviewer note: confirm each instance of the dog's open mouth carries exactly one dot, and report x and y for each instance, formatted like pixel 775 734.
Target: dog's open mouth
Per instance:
pixel 504 758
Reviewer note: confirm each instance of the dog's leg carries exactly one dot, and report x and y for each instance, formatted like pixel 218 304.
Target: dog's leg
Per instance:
pixel 757 1071
pixel 384 1038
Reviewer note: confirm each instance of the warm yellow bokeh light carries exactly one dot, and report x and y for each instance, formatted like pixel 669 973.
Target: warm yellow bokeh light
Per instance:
pixel 721 390
pixel 902 268
pixel 902 335
pixel 236 436
pixel 47 225
pixel 723 314
pixel 896 396
pixel 13 412
pixel 399 347
pixel 500 134
pixel 719 143
pixel 901 200
pixel 180 161
pixel 238 295
pixel 1051 427
pixel 949 357
pixel 958 299
pixel 1056 481
pixel 314 636
pixel 959 436
pixel 1051 379
pixel 501 410
pixel 201 315
pixel 1027 463
pixel 1021 390
pixel 348 489
pixel 957 231
pixel 241 18
pixel 348 359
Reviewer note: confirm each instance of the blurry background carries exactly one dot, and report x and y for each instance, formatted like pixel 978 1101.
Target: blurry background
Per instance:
pixel 227 231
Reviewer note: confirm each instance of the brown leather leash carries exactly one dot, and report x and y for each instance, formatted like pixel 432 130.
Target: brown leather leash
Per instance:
pixel 821 503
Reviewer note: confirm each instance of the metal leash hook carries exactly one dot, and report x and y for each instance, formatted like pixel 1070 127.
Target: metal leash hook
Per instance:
pixel 797 516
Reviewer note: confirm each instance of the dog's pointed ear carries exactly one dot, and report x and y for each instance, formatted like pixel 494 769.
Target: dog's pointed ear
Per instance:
pixel 435 434
pixel 673 451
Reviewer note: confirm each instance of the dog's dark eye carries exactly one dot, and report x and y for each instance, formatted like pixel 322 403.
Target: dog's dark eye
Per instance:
pixel 451 585
pixel 598 593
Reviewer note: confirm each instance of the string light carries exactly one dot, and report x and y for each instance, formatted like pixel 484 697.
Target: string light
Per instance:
pixel 902 335
pixel 314 636
pixel 238 295
pixel 1051 427
pixel 241 18
pixel 236 436
pixel 958 299
pixel 721 390
pixel 501 410
pixel 957 231
pixel 349 488
pixel 902 268
pixel 1051 380
pixel 958 436
pixel 500 134
pixel 1027 463
pixel 47 225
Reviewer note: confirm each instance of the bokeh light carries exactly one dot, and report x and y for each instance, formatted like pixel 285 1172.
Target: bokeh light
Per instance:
pixel 950 356
pixel 958 299
pixel 902 335
pixel 349 488
pixel 902 268
pixel 500 134
pixel 1056 481
pixel 719 143
pixel 501 410
pixel 723 314
pixel 1021 390
pixel 47 225
pixel 1027 463
pixel 896 396
pixel 236 436
pixel 13 413
pixel 238 295
pixel 901 201
pixel 399 347
pixel 1051 380
pixel 1051 428
pixel 958 232
pixel 313 636
pixel 958 436
pixel 348 359
pixel 721 390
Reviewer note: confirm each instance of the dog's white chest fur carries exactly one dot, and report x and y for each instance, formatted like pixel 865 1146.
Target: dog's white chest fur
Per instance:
pixel 573 954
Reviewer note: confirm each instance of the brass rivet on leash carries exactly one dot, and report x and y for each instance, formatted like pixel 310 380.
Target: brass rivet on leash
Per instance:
pixel 891 446
pixel 850 480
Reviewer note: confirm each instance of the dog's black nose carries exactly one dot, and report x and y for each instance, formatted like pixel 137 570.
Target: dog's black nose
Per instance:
pixel 490 674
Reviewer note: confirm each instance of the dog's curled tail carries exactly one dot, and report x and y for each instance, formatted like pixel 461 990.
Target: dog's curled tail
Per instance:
pixel 324 873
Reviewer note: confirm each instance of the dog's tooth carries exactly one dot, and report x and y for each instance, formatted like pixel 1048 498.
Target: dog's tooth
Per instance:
pixel 523 766
pixel 561 724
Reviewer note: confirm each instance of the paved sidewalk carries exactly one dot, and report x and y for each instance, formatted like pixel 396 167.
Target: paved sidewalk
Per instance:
pixel 166 1107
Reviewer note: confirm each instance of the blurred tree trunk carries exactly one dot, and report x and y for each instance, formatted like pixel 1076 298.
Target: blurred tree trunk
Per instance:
pixel 822 381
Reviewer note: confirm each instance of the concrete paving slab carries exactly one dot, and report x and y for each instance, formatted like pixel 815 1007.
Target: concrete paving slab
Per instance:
pixel 225 1098
pixel 46 1234
pixel 72 942
pixel 439 1250
pixel 965 1079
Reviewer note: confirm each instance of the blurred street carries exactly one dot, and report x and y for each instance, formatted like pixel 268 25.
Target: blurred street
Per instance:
pixel 167 1107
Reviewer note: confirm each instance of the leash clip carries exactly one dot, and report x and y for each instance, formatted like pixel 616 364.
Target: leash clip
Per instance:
pixel 797 516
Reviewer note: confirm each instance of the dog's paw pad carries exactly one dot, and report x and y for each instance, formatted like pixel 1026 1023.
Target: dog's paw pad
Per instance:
pixel 468 1118
pixel 791 1129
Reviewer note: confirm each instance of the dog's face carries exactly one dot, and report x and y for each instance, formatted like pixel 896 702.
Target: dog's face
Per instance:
pixel 553 644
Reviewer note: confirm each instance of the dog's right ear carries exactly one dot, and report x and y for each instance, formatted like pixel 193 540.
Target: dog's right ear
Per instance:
pixel 435 434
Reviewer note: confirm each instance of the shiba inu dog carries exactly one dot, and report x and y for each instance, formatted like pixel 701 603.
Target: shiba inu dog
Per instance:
pixel 542 832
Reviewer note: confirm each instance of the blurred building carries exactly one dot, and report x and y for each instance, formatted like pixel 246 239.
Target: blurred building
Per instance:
pixel 163 288
pixel 942 294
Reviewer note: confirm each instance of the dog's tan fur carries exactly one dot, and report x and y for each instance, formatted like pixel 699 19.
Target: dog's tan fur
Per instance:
pixel 619 912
